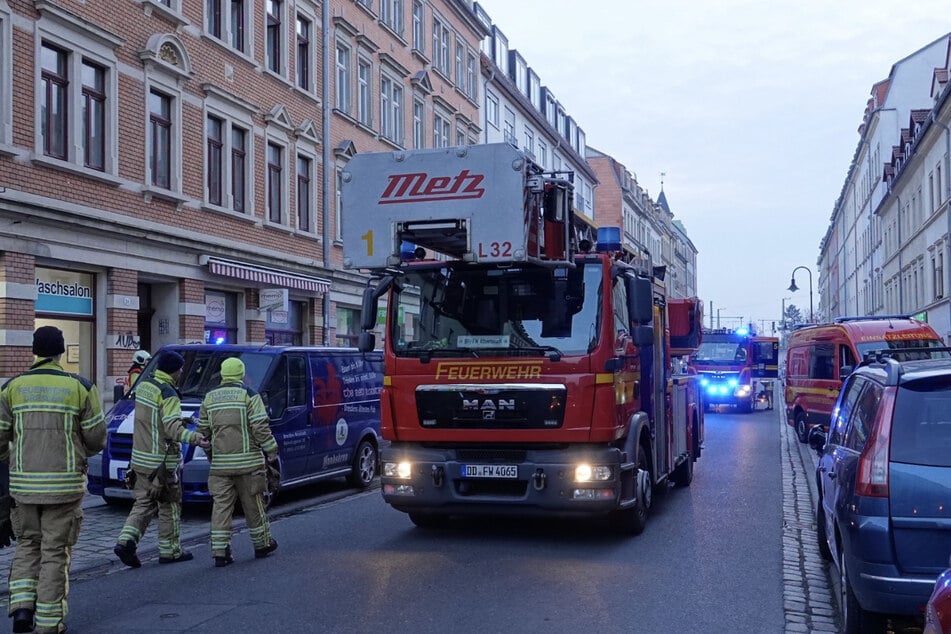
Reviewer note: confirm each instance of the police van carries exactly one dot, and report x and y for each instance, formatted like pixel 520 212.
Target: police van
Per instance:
pixel 323 404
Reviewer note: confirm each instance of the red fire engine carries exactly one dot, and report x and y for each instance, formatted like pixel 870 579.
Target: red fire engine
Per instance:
pixel 731 363
pixel 525 372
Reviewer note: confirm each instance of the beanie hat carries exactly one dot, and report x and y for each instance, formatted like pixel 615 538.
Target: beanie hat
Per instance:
pixel 232 370
pixel 169 362
pixel 48 342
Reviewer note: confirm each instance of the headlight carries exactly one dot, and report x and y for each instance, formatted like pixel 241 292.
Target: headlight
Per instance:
pixel 402 470
pixel 743 390
pixel 587 473
pixel 732 382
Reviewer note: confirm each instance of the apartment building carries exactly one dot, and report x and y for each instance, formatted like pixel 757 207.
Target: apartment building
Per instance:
pixel 169 169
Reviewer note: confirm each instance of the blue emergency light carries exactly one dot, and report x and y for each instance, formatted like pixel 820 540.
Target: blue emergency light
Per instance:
pixel 609 239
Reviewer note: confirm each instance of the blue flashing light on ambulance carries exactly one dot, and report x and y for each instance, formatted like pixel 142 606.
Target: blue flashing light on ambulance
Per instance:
pixel 323 404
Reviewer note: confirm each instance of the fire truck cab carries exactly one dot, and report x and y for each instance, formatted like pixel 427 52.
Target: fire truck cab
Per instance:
pixel 732 363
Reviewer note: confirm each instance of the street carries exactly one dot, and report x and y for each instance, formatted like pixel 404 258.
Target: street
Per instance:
pixel 723 555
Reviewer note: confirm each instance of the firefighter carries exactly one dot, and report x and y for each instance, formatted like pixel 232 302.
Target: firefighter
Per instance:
pixel 52 422
pixel 232 415
pixel 154 468
pixel 139 360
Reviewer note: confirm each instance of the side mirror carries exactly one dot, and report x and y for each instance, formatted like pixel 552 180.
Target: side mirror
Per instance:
pixel 817 439
pixel 643 336
pixel 845 371
pixel 371 297
pixel 366 342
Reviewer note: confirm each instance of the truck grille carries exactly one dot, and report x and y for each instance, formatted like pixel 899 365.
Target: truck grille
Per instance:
pixel 491 407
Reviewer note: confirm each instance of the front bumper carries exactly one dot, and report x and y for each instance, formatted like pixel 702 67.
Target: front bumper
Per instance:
pixel 543 483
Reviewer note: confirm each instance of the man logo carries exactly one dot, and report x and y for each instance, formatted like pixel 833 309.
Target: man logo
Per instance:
pixel 488 406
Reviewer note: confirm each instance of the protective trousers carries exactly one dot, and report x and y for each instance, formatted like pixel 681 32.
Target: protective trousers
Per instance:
pixel 39 574
pixel 249 489
pixel 169 517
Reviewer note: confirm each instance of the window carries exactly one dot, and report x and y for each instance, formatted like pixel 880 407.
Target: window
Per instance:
pixel 226 20
pixel 863 416
pixel 508 131
pixel 215 144
pixel 419 131
pixel 472 75
pixel 160 135
pixel 491 109
pixel 6 76
pixel 460 63
pixel 419 28
pixel 274 46
pixel 822 361
pixel 54 104
pixel 338 207
pixel 94 115
pixel 391 12
pixel 391 109
pixel 275 189
pixel 542 154
pixel 939 273
pixel 840 417
pixel 441 130
pixel 304 53
pixel 239 167
pixel 441 35
pixel 304 193
pixel 348 326
pixel 343 78
pixel 364 110
pixel 529 141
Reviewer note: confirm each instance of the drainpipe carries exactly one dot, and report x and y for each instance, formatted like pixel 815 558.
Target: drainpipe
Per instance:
pixel 328 171
pixel 947 211
pixel 901 273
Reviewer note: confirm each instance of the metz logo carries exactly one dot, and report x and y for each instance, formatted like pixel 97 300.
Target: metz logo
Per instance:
pixel 421 187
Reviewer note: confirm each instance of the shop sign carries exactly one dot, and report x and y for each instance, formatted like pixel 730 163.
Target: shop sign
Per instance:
pixel 274 299
pixel 64 292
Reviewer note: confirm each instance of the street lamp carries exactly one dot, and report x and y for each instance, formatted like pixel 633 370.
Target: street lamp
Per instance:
pixel 793 288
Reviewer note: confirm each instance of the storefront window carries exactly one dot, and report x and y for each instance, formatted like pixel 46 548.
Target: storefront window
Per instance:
pixel 284 327
pixel 348 326
pixel 221 319
pixel 64 299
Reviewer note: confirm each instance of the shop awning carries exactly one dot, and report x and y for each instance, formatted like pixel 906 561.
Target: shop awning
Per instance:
pixel 269 277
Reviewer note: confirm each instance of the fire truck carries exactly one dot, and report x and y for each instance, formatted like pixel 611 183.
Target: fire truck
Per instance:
pixel 731 362
pixel 526 371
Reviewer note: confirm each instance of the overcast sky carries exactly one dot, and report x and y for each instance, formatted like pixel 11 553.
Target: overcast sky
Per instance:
pixel 750 108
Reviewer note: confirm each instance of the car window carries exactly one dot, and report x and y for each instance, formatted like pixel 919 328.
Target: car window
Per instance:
pixel 863 416
pixel 921 427
pixel 846 358
pixel 840 416
pixel 822 361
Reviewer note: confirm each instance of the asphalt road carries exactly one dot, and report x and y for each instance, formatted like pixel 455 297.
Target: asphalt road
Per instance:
pixel 710 560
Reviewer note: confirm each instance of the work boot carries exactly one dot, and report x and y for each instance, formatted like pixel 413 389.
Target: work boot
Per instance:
pixel 184 556
pixel 222 561
pixel 23 620
pixel 260 553
pixel 125 551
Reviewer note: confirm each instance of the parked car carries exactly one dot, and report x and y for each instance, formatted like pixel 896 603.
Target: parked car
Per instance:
pixel 938 612
pixel 884 482
pixel 323 404
pixel 819 357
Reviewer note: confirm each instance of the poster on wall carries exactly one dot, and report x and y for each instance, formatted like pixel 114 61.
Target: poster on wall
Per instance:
pixel 64 292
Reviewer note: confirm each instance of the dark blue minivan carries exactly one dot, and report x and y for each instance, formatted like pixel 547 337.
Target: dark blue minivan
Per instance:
pixel 884 482
pixel 324 406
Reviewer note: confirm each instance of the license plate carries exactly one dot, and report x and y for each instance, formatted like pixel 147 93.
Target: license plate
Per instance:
pixel 506 471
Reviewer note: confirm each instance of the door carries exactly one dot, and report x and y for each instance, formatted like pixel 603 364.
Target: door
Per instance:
pixel 335 378
pixel 824 383
pixel 287 405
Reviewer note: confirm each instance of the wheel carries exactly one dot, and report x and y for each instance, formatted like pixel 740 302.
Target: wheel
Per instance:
pixel 364 465
pixel 683 474
pixel 802 428
pixel 632 520
pixel 423 519
pixel 821 535
pixel 854 619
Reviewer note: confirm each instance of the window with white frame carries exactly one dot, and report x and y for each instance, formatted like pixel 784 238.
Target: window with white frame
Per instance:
pixel 6 75
pixel 501 48
pixel 508 129
pixel 441 130
pixel 542 154
pixel 305 53
pixel 342 102
pixel 391 109
pixel 442 38
pixel 419 27
pixel 460 63
pixel 227 20
pixel 275 188
pixel 419 126
pixel 274 46
pixel 162 129
pixel 491 109
pixel 364 101
pixel 228 168
pixel 472 75
pixel 391 13
pixel 76 92
pixel 305 193
pixel 529 141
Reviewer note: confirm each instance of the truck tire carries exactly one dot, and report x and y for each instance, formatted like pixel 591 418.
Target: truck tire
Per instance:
pixel 802 427
pixel 632 520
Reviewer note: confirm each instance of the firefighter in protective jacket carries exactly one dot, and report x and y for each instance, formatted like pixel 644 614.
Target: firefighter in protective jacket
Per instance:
pixel 233 416
pixel 52 422
pixel 156 456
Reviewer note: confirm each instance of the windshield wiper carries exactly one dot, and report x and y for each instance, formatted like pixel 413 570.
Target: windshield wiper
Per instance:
pixel 554 354
pixel 425 354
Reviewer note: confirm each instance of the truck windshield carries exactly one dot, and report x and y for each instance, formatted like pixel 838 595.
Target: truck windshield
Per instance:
pixel 484 311
pixel 202 369
pixel 721 352
pixel 870 346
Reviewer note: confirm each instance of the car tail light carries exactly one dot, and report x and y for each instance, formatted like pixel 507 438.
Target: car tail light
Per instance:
pixel 872 477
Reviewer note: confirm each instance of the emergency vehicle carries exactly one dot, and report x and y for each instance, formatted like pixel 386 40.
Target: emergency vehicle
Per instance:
pixel 731 363
pixel 525 371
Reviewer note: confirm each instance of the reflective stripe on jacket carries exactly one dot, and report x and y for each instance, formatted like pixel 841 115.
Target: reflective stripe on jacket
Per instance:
pixel 53 421
pixel 158 429
pixel 233 416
